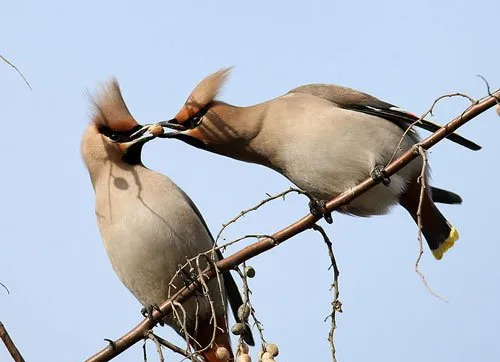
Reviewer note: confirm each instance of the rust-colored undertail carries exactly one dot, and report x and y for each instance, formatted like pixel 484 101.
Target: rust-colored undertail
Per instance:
pixel 222 339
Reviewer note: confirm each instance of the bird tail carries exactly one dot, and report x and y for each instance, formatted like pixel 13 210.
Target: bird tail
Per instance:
pixel 445 197
pixel 438 232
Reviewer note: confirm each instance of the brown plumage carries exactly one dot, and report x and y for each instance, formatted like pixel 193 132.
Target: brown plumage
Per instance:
pixel 204 93
pixel 110 109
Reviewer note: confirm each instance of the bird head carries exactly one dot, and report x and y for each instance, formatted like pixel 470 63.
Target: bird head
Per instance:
pixel 105 139
pixel 187 122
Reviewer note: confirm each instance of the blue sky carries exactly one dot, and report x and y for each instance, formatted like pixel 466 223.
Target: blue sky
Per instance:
pixel 65 297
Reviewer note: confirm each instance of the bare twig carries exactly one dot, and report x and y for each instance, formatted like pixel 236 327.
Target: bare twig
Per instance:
pixel 169 345
pixel 336 303
pixel 153 337
pixel 206 294
pixel 235 241
pixel 422 117
pixel 250 251
pixel 248 303
pixel 9 344
pixel 423 188
pixel 488 88
pixel 263 202
pixel 3 285
pixel 17 70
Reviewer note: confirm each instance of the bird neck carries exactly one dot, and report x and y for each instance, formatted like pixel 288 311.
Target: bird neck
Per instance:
pixel 233 131
pixel 103 171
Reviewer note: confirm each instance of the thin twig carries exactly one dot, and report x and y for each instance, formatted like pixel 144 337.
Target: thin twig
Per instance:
pixel 422 117
pixel 9 344
pixel 17 70
pixel 263 202
pixel 235 241
pixel 423 190
pixel 336 303
pixel 246 301
pixel 206 294
pixel 169 345
pixel 3 285
pixel 488 88
pixel 263 245
pixel 153 337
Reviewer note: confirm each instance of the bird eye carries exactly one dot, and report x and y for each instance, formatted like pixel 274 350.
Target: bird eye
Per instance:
pixel 114 136
pixel 195 120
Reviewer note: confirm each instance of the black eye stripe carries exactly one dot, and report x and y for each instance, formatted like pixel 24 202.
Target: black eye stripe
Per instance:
pixel 195 120
pixel 118 136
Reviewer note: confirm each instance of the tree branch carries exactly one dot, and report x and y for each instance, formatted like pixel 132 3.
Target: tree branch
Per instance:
pixel 140 331
pixel 9 343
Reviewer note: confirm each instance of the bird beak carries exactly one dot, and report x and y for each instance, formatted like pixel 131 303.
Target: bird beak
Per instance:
pixel 145 134
pixel 157 130
pixel 173 124
pixel 142 135
pixel 144 138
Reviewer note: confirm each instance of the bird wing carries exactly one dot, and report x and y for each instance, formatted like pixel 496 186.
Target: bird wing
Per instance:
pixel 232 291
pixel 348 98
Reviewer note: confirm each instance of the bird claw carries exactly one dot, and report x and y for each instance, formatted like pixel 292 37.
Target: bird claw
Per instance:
pixel 147 311
pixel 379 175
pixel 318 209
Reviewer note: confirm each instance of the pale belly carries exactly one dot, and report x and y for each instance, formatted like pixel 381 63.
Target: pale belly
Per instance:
pixel 326 161
pixel 147 241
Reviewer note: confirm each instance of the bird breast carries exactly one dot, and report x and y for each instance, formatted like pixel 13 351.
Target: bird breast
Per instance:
pixel 149 229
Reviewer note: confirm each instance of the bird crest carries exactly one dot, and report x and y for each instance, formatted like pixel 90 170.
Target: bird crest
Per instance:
pixel 109 108
pixel 203 94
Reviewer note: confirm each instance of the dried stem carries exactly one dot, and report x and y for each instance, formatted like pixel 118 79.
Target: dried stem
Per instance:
pixel 206 293
pixel 9 343
pixel 7 289
pixel 169 345
pixel 488 88
pixel 244 212
pixel 154 338
pixel 336 303
pixel 423 190
pixel 248 303
pixel 250 251
pixel 17 70
pixel 429 111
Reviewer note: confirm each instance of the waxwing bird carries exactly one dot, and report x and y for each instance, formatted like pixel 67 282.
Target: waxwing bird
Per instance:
pixel 325 139
pixel 150 226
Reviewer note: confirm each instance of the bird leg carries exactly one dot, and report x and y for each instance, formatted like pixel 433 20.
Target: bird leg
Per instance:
pixel 379 175
pixel 318 208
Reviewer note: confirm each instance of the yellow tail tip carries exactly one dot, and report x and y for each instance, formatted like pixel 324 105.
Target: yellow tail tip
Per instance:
pixel 447 244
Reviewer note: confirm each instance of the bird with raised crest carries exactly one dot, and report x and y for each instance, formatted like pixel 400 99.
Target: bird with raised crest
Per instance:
pixel 326 139
pixel 150 226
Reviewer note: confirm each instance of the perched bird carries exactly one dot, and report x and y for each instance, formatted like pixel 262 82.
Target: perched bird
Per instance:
pixel 325 139
pixel 150 226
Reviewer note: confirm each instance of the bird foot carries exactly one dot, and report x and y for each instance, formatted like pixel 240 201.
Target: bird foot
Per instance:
pixel 147 311
pixel 318 209
pixel 379 175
